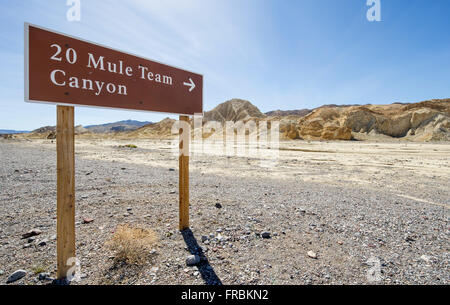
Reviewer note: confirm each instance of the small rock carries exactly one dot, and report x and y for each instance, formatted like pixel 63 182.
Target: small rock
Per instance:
pixel 204 238
pixel 129 209
pixel 192 260
pixel 43 276
pixel 265 234
pixel 15 276
pixel 425 258
pixel 26 246
pixel 87 220
pixel 31 233
pixel 171 169
pixel 31 239
pixel 42 242
pixel 196 273
pixel 312 254
pixel 410 238
pixel 218 205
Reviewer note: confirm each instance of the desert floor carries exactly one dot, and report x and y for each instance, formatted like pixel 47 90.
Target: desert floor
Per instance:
pixel 372 213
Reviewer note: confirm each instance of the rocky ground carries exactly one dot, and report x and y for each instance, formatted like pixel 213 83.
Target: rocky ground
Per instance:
pixel 327 213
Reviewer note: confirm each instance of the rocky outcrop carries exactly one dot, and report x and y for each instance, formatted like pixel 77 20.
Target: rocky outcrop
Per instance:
pixel 233 110
pixel 425 121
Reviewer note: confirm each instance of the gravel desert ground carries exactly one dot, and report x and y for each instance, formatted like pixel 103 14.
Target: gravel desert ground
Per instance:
pixel 332 213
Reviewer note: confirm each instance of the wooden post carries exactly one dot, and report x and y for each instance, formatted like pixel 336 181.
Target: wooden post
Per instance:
pixel 65 225
pixel 184 134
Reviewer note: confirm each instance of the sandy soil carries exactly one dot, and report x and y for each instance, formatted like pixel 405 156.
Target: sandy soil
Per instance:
pixel 349 202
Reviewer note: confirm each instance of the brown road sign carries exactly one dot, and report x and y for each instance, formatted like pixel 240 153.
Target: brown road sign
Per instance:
pixel 64 70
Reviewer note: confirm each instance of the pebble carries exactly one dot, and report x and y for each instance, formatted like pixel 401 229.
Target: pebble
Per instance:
pixel 87 220
pixel 44 276
pixel 265 234
pixel 218 205
pixel 312 254
pixel 16 275
pixel 42 242
pixel 204 238
pixel 192 260
pixel 425 258
pixel 31 233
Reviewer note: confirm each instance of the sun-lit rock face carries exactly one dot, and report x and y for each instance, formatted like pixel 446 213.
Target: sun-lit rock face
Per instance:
pixel 233 110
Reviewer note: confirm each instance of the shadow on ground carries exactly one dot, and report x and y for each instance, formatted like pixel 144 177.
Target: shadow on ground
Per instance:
pixel 207 272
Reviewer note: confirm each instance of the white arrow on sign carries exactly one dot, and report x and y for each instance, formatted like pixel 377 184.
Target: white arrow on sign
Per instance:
pixel 190 84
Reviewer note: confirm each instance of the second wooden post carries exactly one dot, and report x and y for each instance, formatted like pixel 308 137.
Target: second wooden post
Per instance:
pixel 65 211
pixel 184 134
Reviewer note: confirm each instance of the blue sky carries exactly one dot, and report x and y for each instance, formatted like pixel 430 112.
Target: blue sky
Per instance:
pixel 277 54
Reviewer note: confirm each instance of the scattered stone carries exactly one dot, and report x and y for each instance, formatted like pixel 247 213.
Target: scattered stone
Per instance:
pixel 87 220
pixel 42 242
pixel 31 239
pixel 44 276
pixel 265 235
pixel 129 209
pixel 31 233
pixel 410 238
pixel 425 258
pixel 171 169
pixel 26 246
pixel 196 273
pixel 312 254
pixel 15 276
pixel 204 238
pixel 218 205
pixel 192 260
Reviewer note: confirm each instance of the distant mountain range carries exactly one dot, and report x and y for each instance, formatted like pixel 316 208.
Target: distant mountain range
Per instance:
pixel 423 121
pixel 8 131
pixel 126 125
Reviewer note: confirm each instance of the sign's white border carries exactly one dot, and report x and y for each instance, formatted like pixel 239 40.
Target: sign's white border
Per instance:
pixel 27 79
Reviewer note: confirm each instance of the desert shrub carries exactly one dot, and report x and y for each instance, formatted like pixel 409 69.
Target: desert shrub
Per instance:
pixel 128 146
pixel 132 245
